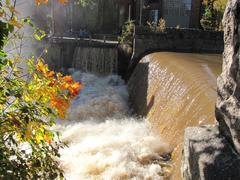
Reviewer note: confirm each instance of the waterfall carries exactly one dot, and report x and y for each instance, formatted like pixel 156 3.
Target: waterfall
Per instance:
pixel 175 91
pixel 104 140
pixel 96 60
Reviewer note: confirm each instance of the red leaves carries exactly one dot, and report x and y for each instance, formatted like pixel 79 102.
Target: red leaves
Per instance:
pixel 60 104
pixel 68 79
pixel 59 89
pixel 75 88
pixel 71 86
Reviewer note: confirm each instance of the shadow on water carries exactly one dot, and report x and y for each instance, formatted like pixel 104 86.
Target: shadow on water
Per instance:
pixel 138 98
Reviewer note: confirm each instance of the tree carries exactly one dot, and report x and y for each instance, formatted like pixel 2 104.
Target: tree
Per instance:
pixel 29 103
pixel 213 14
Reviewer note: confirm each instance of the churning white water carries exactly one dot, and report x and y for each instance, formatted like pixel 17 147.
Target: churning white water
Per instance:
pixel 104 142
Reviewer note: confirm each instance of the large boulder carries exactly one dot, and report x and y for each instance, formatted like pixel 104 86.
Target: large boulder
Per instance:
pixel 228 101
pixel 208 155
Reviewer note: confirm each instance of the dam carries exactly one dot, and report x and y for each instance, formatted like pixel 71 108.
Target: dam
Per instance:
pixel 174 91
pixel 134 128
pixel 116 130
pixel 136 86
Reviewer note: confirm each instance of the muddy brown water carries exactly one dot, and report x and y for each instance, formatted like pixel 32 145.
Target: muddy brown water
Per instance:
pixel 175 91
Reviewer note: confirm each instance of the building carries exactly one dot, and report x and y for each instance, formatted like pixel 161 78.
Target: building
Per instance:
pixel 183 13
pixel 108 16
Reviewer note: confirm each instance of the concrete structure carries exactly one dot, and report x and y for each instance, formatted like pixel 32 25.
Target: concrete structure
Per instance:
pixel 174 40
pixel 89 55
pixel 145 42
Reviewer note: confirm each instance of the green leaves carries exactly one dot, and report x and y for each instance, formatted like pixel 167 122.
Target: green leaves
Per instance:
pixel 3 55
pixel 5 30
pixel 213 14
pixel 127 32
pixel 3 60
pixel 86 2
pixel 25 112
pixel 39 34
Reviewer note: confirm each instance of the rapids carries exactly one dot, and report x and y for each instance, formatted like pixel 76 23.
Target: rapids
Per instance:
pixel 104 140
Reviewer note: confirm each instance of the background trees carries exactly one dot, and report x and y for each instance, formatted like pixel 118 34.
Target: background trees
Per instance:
pixel 213 14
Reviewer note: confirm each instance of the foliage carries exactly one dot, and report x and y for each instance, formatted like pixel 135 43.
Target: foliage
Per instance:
pixel 38 2
pixel 127 32
pixel 159 27
pixel 213 14
pixel 30 100
pixel 207 21
pixel 86 2
pixel 81 2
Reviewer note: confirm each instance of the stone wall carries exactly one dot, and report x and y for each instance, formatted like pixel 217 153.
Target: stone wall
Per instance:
pixel 177 40
pixel 174 40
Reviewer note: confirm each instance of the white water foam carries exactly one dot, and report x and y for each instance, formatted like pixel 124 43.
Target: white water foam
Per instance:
pixel 103 141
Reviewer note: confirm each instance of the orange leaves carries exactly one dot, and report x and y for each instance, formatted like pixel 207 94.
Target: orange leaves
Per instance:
pixel 50 74
pixel 55 88
pixel 41 67
pixel 75 88
pixel 63 1
pixel 15 23
pixel 67 84
pixel 38 2
pixel 60 104
pixel 48 138
pixel 68 79
pixel 71 86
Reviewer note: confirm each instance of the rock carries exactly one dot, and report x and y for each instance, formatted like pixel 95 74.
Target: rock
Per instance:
pixel 214 152
pixel 228 101
pixel 208 155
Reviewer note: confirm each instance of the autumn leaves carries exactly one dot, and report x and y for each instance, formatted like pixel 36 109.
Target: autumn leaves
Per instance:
pixel 62 89
pixel 38 2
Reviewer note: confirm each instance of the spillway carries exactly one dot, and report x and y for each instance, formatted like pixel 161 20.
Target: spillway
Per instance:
pixel 105 141
pixel 119 131
pixel 174 91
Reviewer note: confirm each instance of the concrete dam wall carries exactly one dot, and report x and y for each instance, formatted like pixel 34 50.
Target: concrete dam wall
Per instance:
pixel 176 40
pixel 86 55
pixel 175 91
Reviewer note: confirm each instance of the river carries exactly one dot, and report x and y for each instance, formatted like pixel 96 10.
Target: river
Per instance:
pixel 105 140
